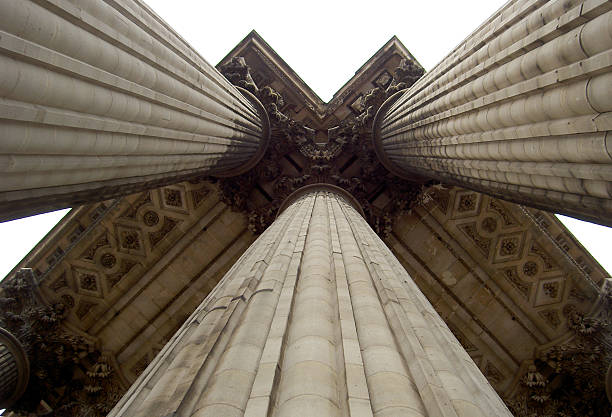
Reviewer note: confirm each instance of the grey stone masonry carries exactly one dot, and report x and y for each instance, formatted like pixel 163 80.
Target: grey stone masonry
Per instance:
pixel 317 318
pixel 100 99
pixel 521 110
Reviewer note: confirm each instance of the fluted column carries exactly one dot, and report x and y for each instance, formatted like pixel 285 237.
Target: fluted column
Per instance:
pixel 14 369
pixel 317 318
pixel 101 98
pixel 519 110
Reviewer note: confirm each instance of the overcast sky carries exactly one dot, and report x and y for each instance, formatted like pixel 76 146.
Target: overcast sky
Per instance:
pixel 325 42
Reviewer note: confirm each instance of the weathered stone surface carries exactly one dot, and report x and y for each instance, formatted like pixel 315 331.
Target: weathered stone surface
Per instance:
pixel 520 110
pixel 317 317
pixel 102 100
pixel 505 278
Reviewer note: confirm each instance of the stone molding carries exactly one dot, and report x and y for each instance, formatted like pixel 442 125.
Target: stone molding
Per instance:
pixel 320 186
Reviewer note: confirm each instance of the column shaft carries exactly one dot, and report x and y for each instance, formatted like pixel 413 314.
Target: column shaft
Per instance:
pixel 101 98
pixel 317 318
pixel 520 110
pixel 14 369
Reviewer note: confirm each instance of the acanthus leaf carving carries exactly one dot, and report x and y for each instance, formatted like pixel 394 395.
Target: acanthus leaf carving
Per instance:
pixel 319 162
pixel 568 379
pixel 61 363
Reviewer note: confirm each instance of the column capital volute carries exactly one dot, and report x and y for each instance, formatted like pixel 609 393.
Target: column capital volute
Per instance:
pixel 321 187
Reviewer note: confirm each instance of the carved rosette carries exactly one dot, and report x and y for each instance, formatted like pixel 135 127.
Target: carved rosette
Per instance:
pixel 348 144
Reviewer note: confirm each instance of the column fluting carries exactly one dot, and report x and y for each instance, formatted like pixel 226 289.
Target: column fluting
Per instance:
pixel 100 99
pixel 14 369
pixel 317 318
pixel 520 110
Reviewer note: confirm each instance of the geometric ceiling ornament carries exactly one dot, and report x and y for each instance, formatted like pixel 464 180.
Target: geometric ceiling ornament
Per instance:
pixel 467 204
pixel 530 268
pixel 142 200
pixel 129 240
pixel 60 283
pixel 84 307
pixel 489 225
pixel 168 225
pixel 511 274
pixel 102 241
pixel 509 247
pixel 173 198
pixel 548 262
pixel 88 282
pixel 126 266
pixel 108 260
pixel 440 195
pixel 199 195
pixel 481 242
pixel 150 218
pixel 551 316
pixel 498 207
pixel 549 291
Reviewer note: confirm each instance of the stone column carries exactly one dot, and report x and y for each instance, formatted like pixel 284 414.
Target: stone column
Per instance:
pixel 520 110
pixel 317 318
pixel 100 99
pixel 14 369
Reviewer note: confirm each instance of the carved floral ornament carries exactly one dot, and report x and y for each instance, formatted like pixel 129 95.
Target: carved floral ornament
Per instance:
pixel 68 375
pixel 348 143
pixel 558 374
pixel 569 378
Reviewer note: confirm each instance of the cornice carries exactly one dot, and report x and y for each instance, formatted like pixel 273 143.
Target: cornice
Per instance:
pixel 254 43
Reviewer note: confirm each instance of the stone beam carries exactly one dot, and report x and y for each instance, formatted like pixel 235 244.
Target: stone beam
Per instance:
pixel 101 98
pixel 317 318
pixel 520 110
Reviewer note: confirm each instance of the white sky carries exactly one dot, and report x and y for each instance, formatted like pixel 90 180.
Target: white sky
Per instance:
pixel 325 42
